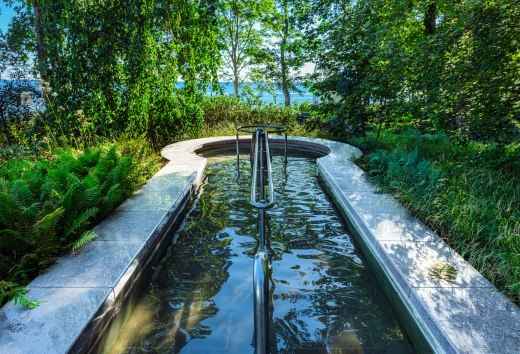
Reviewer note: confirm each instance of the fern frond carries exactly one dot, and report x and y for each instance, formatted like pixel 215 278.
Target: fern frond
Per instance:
pixel 80 221
pixel 48 223
pixel 85 238
pixel 122 170
pixel 12 292
pixel 72 180
pixel 21 192
pixel 106 163
pixel 89 197
pixel 68 199
pixel 112 197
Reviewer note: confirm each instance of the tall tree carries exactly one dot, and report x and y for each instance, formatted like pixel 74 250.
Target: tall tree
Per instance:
pixel 40 46
pixel 240 37
pixel 281 58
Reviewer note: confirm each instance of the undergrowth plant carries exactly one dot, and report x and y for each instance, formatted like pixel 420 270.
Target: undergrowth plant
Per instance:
pixel 223 114
pixel 47 205
pixel 469 198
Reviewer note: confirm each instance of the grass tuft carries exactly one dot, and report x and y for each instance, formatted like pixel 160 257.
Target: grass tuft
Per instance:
pixel 469 194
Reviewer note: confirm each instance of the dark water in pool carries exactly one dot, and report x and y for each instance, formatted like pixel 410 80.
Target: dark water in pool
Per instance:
pixel 324 299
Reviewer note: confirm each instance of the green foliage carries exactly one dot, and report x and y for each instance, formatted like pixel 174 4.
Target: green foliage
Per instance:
pixel 437 65
pixel 15 293
pixel 401 170
pixel 145 160
pixel 110 67
pixel 85 238
pixel 222 114
pixel 470 195
pixel 48 203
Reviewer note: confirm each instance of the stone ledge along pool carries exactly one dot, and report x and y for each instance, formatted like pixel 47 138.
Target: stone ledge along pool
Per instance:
pixel 323 297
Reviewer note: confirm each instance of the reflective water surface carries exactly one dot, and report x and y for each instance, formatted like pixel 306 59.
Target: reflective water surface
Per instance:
pixel 325 300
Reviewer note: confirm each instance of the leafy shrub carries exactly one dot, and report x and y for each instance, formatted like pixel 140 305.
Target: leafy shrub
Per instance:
pixel 222 111
pixel 401 170
pixel 48 204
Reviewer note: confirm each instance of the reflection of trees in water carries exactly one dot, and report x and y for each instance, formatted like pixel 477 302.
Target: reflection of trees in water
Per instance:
pixel 323 298
pixel 195 272
pixel 335 304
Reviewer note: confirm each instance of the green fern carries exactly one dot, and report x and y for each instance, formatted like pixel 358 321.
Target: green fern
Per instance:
pixel 85 238
pixel 12 292
pixel 89 197
pixel 113 197
pixel 48 222
pixel 47 204
pixel 80 221
pixel 68 198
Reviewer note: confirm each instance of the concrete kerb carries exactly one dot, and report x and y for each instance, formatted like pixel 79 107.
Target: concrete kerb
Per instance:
pixel 468 315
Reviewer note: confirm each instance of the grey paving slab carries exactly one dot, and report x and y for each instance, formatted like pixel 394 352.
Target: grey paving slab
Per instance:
pixel 150 201
pixel 398 227
pixel 368 204
pixel 98 264
pixel 53 326
pixel 168 183
pixel 414 260
pixel 187 159
pixel 346 177
pixel 476 320
pixel 128 225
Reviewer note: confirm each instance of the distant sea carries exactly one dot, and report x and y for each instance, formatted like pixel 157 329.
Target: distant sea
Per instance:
pixel 296 97
pixel 278 98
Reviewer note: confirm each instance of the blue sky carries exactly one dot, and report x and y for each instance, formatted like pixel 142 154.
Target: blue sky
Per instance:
pixel 6 13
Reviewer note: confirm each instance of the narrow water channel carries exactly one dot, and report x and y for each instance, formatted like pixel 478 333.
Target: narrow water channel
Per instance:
pixel 325 300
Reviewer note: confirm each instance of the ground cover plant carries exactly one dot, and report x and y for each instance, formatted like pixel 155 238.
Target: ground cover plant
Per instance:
pixel 469 194
pixel 49 203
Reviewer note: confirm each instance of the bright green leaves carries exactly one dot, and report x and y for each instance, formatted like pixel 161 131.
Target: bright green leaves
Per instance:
pixel 11 291
pixel 451 65
pixel 46 207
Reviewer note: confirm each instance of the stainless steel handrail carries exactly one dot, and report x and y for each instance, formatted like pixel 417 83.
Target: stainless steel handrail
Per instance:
pixel 261 260
pixel 261 266
pixel 268 128
pixel 261 300
pixel 262 204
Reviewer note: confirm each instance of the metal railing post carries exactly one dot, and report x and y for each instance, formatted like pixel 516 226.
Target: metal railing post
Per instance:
pixel 238 159
pixel 285 147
